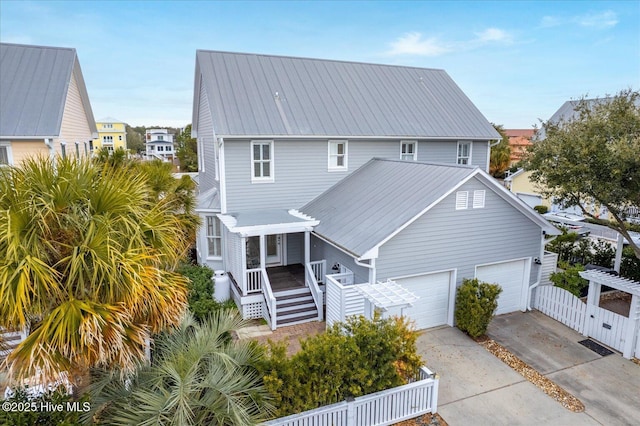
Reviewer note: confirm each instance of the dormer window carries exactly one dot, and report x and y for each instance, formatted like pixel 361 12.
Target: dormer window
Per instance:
pixel 409 150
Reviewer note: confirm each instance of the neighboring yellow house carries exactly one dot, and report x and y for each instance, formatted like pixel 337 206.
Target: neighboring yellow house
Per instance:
pixel 112 134
pixel 44 105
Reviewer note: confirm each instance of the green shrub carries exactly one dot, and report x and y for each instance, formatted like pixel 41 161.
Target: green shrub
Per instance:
pixel 476 303
pixel 630 265
pixel 541 209
pixel 201 288
pixel 570 279
pixel 349 360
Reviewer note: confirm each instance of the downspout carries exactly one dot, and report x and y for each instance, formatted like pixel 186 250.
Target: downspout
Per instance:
pixel 372 269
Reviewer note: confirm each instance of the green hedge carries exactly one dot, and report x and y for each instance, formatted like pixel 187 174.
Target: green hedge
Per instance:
pixel 476 302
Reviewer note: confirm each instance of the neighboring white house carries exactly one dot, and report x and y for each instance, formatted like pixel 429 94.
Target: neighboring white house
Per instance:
pixel 159 144
pixel 290 193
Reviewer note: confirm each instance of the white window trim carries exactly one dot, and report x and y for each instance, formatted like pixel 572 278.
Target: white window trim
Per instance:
pixel 415 149
pixel 272 168
pixel 479 198
pixel 207 237
pixel 470 152
pixel 462 200
pixel 7 145
pixel 331 167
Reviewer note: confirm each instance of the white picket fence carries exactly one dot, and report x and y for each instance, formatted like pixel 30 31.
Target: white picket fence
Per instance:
pixel 381 408
pixel 562 306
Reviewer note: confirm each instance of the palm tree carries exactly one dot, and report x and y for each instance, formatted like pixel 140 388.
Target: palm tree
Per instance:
pixel 87 263
pixel 199 375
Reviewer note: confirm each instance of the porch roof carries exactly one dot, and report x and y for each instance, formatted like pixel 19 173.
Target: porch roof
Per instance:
pixel 619 283
pixel 266 222
pixel 387 294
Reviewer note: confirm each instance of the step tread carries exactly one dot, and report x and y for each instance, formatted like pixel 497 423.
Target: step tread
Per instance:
pixel 297 313
pixel 290 306
pixel 301 319
pixel 291 292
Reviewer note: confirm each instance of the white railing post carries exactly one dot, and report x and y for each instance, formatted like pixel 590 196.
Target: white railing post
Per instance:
pixel 316 293
pixel 351 412
pixel 269 298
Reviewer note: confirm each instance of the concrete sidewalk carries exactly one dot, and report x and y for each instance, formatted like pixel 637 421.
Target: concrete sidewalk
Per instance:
pixel 477 388
pixel 609 387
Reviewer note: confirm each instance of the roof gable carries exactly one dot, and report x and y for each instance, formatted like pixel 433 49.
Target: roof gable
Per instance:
pixel 34 83
pixel 383 197
pixel 262 95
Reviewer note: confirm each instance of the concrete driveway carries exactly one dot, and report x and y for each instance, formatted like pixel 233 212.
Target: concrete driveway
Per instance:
pixel 477 388
pixel 609 386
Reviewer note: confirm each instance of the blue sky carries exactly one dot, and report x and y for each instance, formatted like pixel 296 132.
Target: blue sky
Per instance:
pixel 518 61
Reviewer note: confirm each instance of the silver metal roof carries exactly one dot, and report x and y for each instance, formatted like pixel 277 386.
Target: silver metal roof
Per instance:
pixel 374 201
pixel 263 95
pixel 34 81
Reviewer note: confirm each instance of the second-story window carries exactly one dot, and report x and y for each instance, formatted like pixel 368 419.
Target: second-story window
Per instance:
pixel 408 150
pixel 160 138
pixel 107 139
pixel 262 161
pixel 464 152
pixel 337 155
pixel 214 237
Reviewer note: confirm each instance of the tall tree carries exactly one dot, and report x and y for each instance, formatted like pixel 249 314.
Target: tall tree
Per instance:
pixel 500 154
pixel 199 375
pixel 187 150
pixel 135 140
pixel 87 263
pixel 594 158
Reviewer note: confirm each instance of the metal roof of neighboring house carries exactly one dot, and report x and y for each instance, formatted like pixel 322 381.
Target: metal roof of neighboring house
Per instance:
pixel 372 204
pixel 34 82
pixel 264 95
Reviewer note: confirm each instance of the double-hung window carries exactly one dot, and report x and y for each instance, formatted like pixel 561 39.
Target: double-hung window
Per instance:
pixel 408 150
pixel 262 161
pixel 5 154
pixel 464 152
pixel 107 139
pixel 337 155
pixel 214 237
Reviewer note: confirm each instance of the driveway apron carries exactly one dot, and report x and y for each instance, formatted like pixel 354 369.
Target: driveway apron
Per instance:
pixel 477 388
pixel 609 386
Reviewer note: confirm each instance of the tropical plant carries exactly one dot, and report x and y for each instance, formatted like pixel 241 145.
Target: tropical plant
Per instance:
pixel 88 263
pixel 476 302
pixel 569 279
pixel 198 375
pixel 500 154
pixel 29 408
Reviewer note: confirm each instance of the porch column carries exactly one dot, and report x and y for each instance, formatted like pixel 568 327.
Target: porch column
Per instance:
pixel 307 247
pixel 243 265
pixel 263 252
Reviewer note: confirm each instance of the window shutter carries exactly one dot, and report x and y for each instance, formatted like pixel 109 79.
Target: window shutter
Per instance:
pixel 478 199
pixel 462 198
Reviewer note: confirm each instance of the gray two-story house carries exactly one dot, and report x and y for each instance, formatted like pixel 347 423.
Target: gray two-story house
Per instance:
pixel 283 144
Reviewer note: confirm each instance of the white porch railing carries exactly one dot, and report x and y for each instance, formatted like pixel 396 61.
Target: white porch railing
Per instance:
pixel 319 267
pixel 381 408
pixel 270 313
pixel 253 281
pixel 316 293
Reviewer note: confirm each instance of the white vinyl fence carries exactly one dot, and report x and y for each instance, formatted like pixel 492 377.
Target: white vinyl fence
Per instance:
pixel 562 306
pixel 381 408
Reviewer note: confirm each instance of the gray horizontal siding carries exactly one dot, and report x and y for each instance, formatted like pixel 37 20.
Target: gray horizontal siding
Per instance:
pixel 295 248
pixel 300 168
pixel 322 250
pixel 206 141
pixel 445 238
pixel 447 152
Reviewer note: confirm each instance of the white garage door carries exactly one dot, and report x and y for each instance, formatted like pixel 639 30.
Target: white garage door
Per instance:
pixel 511 277
pixel 432 309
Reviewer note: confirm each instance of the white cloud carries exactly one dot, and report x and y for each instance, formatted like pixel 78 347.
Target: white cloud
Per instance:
pixel 494 35
pixel 414 44
pixel 550 21
pixel 606 19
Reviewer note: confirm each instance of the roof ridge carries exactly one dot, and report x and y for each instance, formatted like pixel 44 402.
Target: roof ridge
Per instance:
pixel 341 61
pixel 428 163
pixel 37 46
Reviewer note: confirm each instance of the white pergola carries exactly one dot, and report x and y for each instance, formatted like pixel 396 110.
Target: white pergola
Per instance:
pixel 385 295
pixel 596 280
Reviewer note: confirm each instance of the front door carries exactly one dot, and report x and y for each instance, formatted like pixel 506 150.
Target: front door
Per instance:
pixel 274 250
